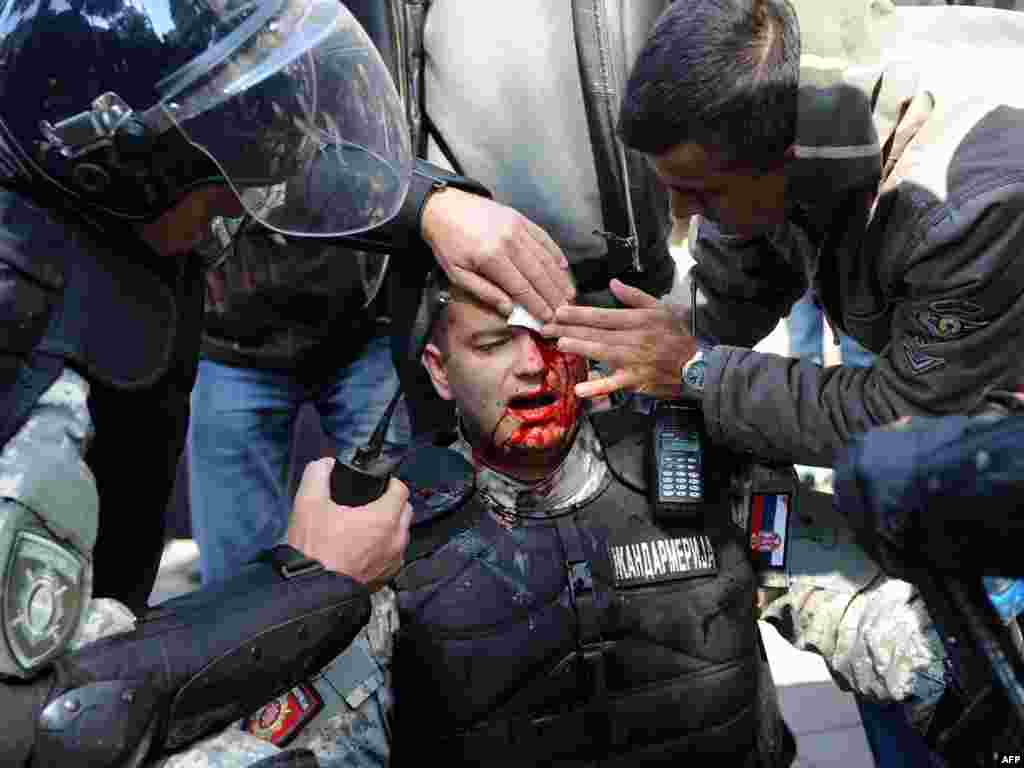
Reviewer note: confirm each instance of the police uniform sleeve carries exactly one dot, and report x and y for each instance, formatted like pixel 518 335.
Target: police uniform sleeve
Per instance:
pixel 340 718
pixel 873 632
pixel 183 670
pixel 22 701
pixel 877 641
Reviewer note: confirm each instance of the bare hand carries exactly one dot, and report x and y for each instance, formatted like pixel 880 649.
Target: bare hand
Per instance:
pixel 367 543
pixel 647 343
pixel 496 254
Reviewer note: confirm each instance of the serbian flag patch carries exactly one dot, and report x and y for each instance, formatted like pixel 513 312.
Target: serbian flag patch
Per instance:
pixel 769 528
pixel 281 720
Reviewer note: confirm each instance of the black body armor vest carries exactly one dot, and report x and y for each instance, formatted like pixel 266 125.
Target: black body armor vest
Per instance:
pixel 598 638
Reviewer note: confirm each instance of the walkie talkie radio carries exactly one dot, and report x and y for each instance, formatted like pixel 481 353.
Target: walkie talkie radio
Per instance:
pixel 677 461
pixel 353 487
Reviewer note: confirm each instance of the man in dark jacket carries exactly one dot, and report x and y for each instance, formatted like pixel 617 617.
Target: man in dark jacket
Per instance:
pixel 889 183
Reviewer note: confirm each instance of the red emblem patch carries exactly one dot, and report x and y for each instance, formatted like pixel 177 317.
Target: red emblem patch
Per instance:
pixel 282 719
pixel 765 541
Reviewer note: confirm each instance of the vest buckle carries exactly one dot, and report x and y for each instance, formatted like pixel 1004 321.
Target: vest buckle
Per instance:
pixel 581 580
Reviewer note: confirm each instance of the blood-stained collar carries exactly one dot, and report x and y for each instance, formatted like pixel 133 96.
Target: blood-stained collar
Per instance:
pixel 581 477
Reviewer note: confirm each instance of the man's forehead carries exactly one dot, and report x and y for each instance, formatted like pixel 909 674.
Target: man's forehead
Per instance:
pixel 468 316
pixel 689 165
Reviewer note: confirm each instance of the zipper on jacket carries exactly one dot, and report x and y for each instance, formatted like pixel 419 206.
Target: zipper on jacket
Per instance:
pixel 614 46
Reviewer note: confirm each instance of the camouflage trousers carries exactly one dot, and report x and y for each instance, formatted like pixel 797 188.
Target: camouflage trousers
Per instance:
pixel 352 730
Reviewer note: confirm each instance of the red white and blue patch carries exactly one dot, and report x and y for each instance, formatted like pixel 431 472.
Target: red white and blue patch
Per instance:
pixel 769 528
pixel 282 719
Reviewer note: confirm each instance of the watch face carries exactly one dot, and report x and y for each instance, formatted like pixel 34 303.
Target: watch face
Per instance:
pixel 695 376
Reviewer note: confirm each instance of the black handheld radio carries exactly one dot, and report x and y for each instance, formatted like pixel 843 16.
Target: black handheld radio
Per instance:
pixel 678 463
pixel 355 488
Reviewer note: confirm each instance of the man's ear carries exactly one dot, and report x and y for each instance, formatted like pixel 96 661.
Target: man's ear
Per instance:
pixel 433 361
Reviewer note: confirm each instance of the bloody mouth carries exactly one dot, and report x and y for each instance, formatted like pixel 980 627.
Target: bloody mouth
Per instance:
pixel 547 414
pixel 541 419
pixel 536 408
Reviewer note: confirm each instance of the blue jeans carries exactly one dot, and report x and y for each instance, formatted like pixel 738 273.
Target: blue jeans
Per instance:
pixel 894 743
pixel 239 442
pixel 806 337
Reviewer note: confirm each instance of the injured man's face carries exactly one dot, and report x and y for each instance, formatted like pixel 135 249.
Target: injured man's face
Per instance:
pixel 514 389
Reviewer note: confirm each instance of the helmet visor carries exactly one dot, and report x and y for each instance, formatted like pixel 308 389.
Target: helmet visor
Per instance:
pixel 283 279
pixel 293 102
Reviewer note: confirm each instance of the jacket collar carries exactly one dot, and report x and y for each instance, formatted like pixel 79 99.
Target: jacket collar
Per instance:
pixel 581 476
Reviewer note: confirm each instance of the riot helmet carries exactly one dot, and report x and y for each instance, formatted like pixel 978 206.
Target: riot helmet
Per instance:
pixel 123 106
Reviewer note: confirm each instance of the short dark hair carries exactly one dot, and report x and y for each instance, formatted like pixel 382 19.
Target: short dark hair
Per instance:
pixel 722 74
pixel 438 296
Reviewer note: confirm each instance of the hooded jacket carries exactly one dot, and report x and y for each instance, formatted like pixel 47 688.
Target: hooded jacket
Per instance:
pixel 907 221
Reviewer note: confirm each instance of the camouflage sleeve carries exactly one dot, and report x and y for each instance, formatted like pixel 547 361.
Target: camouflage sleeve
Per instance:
pixel 104 617
pixel 873 632
pixel 879 643
pixel 231 748
pixel 48 493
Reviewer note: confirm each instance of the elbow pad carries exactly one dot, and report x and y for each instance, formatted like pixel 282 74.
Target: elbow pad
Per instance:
pixel 197 663
pixel 49 517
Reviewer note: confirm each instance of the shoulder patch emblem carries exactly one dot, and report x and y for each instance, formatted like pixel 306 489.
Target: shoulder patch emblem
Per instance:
pixel 949 319
pixel 282 719
pixel 918 360
pixel 657 560
pixel 769 528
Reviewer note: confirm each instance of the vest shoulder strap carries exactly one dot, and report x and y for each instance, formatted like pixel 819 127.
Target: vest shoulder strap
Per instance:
pixel 426 538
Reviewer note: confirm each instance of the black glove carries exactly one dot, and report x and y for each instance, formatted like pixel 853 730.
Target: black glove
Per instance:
pixel 189 667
